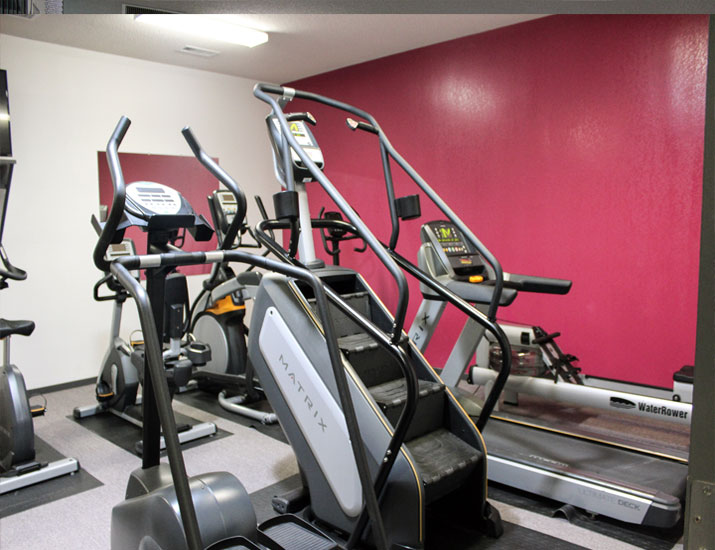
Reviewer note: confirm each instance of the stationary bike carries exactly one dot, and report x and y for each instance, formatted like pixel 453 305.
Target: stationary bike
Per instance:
pixel 332 236
pixel 18 467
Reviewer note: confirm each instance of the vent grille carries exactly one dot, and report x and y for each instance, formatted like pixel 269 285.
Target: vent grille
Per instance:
pixel 16 7
pixel 201 52
pixel 131 9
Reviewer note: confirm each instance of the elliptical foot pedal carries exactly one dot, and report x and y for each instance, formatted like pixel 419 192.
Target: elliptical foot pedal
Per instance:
pixel 291 532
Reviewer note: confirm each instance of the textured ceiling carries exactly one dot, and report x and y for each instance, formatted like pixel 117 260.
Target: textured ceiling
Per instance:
pixel 300 45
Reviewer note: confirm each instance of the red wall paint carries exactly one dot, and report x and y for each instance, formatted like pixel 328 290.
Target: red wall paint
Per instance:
pixel 184 174
pixel 572 145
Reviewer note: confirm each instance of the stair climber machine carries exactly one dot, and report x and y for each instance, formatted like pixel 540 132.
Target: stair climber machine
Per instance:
pixel 120 377
pixel 164 509
pixel 18 465
pixel 218 312
pixel 426 457
pixel 623 479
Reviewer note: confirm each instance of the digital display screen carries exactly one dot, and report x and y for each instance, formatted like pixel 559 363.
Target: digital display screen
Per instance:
pixel 5 143
pixel 227 198
pixel 446 234
pixel 450 240
pixel 150 190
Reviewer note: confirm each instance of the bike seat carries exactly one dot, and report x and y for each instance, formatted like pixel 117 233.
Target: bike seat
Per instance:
pixel 8 328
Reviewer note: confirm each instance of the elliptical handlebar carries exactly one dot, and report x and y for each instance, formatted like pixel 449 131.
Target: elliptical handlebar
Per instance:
pixel 119 199
pixel 223 176
pixel 262 91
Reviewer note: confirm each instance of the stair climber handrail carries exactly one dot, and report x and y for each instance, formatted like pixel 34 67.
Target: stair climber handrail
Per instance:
pixel 468 309
pixel 387 150
pixel 121 268
pixel 449 296
pixel 264 92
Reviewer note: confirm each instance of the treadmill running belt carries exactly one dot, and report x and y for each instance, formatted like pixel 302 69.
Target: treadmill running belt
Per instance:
pixel 616 482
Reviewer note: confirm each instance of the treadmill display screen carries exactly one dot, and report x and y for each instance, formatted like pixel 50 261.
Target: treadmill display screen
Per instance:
pixel 450 240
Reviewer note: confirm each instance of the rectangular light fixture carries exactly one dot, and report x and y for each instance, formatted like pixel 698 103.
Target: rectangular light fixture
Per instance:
pixel 211 27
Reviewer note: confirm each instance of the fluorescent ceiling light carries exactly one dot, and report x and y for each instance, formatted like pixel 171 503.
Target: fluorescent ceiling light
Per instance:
pixel 209 27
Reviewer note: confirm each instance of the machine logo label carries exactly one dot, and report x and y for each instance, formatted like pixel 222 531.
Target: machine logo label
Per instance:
pixel 317 414
pixel 662 410
pixel 621 403
pixel 307 400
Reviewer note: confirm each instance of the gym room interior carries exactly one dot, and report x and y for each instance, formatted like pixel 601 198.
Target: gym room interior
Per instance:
pixel 573 147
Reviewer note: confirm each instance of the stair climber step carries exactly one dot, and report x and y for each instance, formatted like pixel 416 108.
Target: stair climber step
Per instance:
pixel 344 326
pixel 391 396
pixel 357 343
pixel 444 462
pixel 372 363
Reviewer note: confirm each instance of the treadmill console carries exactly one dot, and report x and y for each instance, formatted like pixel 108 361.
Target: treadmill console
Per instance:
pixel 454 251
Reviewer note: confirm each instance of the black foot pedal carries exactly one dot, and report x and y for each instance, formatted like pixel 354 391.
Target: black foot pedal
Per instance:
pixel 291 532
pixel 291 502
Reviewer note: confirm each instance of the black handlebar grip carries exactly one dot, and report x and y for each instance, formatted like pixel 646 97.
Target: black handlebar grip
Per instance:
pixel 307 117
pixel 117 209
pixel 192 141
pixel 359 125
pixel 120 130
pixel 212 166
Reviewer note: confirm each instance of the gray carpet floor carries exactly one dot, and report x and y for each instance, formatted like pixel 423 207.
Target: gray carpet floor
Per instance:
pixel 82 521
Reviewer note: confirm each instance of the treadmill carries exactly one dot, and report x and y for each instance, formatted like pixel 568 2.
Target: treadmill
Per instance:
pixel 622 479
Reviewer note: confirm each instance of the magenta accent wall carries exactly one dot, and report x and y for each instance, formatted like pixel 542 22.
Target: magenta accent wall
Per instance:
pixel 572 146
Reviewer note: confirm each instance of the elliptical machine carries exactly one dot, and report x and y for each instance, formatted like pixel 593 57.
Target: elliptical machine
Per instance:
pixel 18 467
pixel 119 378
pixel 218 313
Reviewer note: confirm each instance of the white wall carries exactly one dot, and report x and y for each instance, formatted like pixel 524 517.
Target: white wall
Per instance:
pixel 64 104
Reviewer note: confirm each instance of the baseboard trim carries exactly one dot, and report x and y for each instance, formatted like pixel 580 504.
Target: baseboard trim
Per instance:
pixel 60 387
